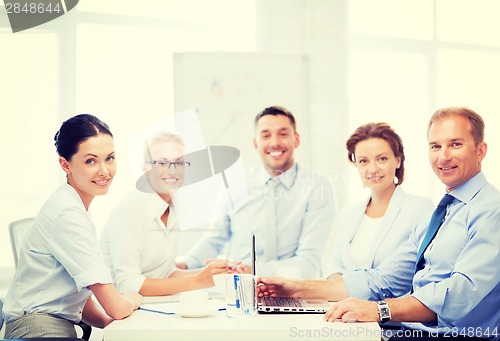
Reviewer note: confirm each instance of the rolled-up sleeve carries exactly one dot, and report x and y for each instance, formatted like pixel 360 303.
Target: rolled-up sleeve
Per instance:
pixel 475 274
pixel 75 246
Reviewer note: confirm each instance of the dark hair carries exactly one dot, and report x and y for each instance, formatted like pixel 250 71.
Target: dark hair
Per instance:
pixel 475 120
pixel 275 111
pixel 381 131
pixel 76 130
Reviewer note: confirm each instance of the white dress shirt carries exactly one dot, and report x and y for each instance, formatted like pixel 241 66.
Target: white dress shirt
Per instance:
pixel 59 259
pixel 304 216
pixel 136 244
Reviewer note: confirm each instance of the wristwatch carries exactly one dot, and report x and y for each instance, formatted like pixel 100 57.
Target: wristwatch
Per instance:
pixel 383 311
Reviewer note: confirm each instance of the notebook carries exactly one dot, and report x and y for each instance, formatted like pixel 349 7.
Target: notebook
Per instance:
pixel 267 304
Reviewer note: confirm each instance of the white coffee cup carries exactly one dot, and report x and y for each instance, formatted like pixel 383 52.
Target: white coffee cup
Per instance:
pixel 220 282
pixel 193 302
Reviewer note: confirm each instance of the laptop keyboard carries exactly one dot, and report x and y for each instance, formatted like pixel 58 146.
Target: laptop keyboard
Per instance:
pixel 281 301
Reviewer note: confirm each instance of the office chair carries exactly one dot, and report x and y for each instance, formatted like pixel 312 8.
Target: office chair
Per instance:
pixel 1 316
pixel 17 230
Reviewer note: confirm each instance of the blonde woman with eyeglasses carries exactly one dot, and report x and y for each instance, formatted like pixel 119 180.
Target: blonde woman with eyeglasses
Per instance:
pixel 139 239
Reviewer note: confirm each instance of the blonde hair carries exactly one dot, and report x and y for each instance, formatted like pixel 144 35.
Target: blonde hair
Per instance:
pixel 160 137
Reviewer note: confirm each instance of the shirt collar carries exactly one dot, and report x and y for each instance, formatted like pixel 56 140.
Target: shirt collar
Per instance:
pixel 154 205
pixel 468 190
pixel 75 194
pixel 287 178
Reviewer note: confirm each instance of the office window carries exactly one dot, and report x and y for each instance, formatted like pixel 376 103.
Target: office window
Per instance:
pixel 465 21
pixel 127 71
pixel 29 106
pixel 411 19
pixel 171 9
pixel 468 77
pixel 124 71
pixel 395 49
pixel 391 87
pixel 229 25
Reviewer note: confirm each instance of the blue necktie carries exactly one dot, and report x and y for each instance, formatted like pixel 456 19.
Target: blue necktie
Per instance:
pixel 436 222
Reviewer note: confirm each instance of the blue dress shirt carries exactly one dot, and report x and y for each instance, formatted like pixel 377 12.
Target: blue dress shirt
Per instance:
pixel 304 217
pixel 461 278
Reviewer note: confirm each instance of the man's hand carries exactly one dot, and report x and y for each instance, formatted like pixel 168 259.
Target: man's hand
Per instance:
pixel 352 310
pixel 279 286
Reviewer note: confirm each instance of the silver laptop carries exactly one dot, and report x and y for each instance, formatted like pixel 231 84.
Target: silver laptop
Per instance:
pixel 269 304
pixel 274 304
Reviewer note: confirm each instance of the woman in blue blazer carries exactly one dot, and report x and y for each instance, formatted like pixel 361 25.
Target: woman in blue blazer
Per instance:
pixel 371 230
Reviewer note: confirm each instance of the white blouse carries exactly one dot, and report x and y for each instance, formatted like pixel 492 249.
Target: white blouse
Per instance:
pixel 136 244
pixel 362 242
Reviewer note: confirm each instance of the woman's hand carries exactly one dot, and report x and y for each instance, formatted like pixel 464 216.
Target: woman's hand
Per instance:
pixel 214 267
pixel 134 297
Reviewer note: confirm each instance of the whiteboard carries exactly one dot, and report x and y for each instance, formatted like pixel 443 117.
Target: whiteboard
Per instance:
pixel 230 89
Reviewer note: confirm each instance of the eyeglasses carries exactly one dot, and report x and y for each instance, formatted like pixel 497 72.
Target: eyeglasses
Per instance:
pixel 168 164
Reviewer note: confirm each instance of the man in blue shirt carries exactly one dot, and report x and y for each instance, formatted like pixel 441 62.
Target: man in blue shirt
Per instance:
pixel 292 236
pixel 455 291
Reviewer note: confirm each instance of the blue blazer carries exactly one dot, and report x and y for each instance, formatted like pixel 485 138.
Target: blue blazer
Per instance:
pixel 404 212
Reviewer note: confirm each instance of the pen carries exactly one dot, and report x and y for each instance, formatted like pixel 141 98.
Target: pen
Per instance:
pixel 157 311
pixel 167 312
pixel 236 290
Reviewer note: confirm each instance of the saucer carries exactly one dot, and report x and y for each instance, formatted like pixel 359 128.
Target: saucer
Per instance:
pixel 195 312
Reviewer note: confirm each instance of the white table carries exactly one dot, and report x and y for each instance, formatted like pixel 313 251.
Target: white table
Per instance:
pixel 144 325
